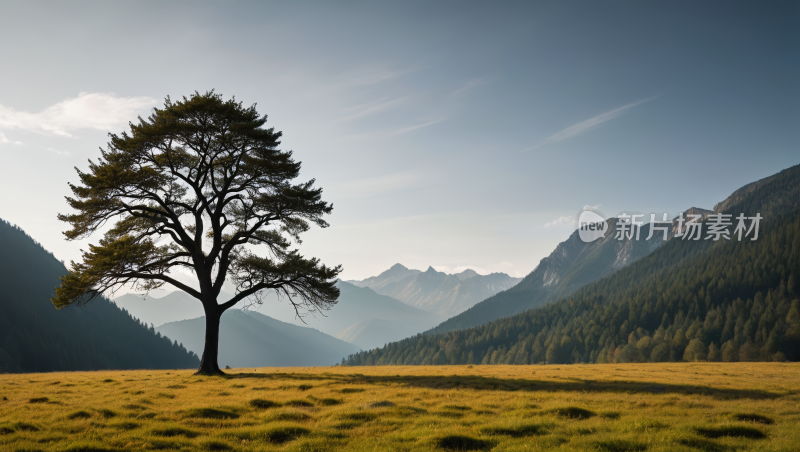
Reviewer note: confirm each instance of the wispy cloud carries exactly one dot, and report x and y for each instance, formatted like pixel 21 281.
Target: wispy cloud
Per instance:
pixel 374 74
pixel 99 111
pixel 384 133
pixel 590 123
pixel 560 221
pixel 4 140
pixel 58 152
pixel 416 127
pixel 470 84
pixel 371 108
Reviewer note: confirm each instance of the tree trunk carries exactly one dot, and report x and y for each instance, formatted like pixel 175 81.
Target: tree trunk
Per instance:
pixel 208 363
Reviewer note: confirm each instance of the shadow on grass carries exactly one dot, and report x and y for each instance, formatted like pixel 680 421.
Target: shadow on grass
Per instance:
pixel 459 442
pixel 478 382
pixel 573 412
pixel 704 445
pixel 733 431
pixel 752 417
pixel 210 413
pixel 175 431
pixel 514 432
pixel 620 446
pixel 280 435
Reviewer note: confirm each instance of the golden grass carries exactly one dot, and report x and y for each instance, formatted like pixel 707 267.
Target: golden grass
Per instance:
pixel 614 407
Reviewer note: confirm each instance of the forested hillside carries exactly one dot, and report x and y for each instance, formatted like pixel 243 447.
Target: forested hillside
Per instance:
pixel 573 264
pixel 35 337
pixel 726 300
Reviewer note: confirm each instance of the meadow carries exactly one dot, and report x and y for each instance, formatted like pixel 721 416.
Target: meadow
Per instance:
pixel 613 407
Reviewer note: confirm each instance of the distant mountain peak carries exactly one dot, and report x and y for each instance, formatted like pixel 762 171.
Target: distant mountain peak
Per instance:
pixel 431 270
pixel 398 267
pixel 466 274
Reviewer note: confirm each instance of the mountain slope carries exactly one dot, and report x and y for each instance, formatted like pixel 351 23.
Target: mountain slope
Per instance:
pixel 574 264
pixel 35 337
pixel 373 333
pixel 736 301
pixel 726 300
pixel 172 307
pixel 355 304
pixel 255 340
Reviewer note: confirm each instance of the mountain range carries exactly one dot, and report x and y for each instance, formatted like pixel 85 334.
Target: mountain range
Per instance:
pixel 573 264
pixel 726 300
pixel 355 306
pixel 437 292
pixel 395 304
pixel 172 307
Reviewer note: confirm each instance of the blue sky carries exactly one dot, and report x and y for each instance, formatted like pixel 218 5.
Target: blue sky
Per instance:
pixel 450 134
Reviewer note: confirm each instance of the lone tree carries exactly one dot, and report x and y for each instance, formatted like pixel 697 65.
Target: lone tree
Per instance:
pixel 198 185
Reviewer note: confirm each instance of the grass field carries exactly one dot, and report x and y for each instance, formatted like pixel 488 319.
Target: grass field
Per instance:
pixel 615 407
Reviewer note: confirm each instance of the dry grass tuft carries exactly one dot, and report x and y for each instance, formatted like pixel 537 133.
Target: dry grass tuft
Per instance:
pixel 210 413
pixel 514 432
pixel 573 412
pixel 382 404
pixel 262 404
pixel 732 431
pixel 703 444
pixel 299 403
pixel 461 442
pixel 620 446
pixel 624 407
pixel 282 435
pixel 756 418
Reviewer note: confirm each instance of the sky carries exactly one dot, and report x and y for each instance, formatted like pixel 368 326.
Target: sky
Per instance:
pixel 447 134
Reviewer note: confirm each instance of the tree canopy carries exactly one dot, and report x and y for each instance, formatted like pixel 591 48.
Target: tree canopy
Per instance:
pixel 199 185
